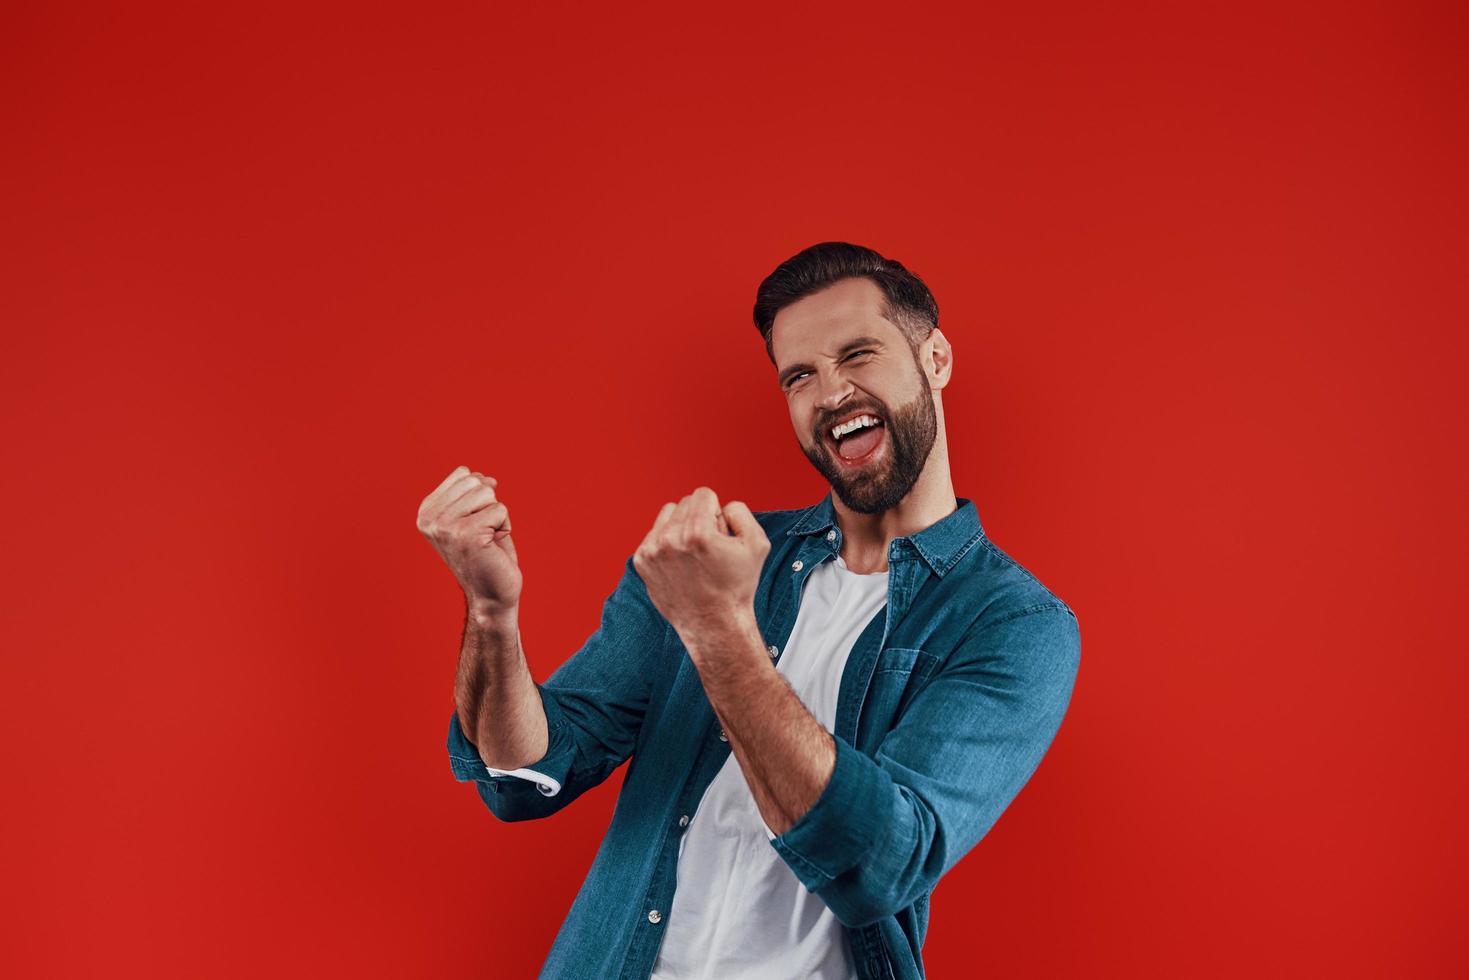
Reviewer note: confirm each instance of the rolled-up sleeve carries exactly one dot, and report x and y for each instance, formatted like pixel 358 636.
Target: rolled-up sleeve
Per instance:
pixel 547 773
pixel 594 705
pixel 888 826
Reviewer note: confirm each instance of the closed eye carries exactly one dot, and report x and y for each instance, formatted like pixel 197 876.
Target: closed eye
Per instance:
pixel 797 377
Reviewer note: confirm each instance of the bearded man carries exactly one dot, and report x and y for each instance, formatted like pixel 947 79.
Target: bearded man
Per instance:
pixel 825 708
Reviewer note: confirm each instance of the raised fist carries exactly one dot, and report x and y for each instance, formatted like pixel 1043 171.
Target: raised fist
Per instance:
pixel 470 529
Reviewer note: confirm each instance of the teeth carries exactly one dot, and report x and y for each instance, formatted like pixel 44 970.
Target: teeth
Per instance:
pixel 860 422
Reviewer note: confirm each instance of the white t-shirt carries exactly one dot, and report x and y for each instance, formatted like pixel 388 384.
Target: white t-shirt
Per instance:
pixel 739 913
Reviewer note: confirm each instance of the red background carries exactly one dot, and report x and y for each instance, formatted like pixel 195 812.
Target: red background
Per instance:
pixel 269 274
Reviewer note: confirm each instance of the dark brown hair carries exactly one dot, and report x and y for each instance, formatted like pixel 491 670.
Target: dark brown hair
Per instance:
pixel 908 305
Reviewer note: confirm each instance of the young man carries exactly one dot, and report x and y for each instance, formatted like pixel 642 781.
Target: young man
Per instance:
pixel 825 708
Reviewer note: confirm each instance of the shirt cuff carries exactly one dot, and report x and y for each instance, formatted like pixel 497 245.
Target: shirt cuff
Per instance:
pixel 843 824
pixel 544 783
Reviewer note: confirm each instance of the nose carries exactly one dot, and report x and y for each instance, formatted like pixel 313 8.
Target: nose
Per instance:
pixel 832 390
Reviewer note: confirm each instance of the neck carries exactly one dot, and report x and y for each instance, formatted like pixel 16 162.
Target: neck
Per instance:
pixel 865 537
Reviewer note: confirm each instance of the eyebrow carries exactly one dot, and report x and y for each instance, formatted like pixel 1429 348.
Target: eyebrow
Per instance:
pixel 850 345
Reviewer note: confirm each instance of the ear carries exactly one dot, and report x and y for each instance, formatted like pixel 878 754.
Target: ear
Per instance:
pixel 939 364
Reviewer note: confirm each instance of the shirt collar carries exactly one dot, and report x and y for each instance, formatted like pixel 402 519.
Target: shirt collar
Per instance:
pixel 941 544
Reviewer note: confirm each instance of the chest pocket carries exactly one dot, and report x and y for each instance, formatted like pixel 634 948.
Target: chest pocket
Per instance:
pixel 899 674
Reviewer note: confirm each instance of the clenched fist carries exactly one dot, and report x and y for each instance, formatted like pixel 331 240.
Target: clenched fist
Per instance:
pixel 470 529
pixel 701 562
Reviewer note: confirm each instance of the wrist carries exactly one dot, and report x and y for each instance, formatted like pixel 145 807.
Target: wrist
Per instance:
pixel 492 618
pixel 723 637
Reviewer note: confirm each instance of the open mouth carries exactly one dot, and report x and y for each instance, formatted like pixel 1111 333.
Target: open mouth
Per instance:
pixel 858 446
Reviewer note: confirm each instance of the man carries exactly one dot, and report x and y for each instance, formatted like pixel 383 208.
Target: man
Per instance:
pixel 825 708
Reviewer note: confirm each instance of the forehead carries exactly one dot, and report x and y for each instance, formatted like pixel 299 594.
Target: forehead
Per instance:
pixel 820 322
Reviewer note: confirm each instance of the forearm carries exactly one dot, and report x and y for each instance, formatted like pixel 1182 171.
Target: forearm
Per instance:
pixel 785 754
pixel 498 705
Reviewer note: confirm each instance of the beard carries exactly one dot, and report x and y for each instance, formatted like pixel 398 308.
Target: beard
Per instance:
pixel 881 484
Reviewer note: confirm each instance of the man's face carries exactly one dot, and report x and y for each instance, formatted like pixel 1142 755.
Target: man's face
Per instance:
pixel 838 359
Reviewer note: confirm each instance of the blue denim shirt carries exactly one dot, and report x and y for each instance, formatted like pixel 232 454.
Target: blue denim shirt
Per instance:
pixel 948 701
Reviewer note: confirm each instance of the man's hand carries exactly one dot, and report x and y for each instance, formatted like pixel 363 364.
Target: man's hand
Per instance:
pixel 469 526
pixel 701 562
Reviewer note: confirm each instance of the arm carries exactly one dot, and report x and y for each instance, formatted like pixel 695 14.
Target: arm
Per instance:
pixel 884 829
pixel 494 694
pixel 593 706
pixel 785 754
pixel 494 683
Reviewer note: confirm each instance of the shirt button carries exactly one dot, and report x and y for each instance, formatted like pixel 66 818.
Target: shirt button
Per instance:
pixel 831 535
pixel 773 650
pixel 683 821
pixel 797 565
pixel 723 737
pixel 655 916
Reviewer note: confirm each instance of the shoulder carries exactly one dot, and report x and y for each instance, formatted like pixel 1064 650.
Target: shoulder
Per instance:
pixel 1012 622
pixel 1001 589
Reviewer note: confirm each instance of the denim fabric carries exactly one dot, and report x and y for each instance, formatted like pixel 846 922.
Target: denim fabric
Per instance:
pixel 948 701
